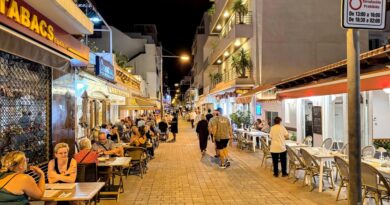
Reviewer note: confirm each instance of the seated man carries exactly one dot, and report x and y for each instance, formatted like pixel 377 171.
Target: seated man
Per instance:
pixel 107 147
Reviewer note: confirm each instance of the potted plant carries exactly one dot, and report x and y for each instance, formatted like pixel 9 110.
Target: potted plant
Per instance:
pixel 215 78
pixel 240 118
pixel 241 9
pixel 240 62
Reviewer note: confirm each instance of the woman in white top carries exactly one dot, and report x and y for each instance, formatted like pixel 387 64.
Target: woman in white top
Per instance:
pixel 278 151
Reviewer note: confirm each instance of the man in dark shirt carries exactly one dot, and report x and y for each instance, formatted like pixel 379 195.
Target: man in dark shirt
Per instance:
pixel 209 115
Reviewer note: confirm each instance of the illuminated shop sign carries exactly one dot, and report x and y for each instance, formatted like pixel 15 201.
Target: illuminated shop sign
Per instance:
pixel 104 69
pixel 23 18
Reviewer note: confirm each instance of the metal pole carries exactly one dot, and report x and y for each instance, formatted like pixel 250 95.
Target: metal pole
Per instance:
pixel 162 88
pixel 354 131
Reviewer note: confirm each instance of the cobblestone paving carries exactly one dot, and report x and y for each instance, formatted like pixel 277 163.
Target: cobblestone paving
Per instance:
pixel 179 175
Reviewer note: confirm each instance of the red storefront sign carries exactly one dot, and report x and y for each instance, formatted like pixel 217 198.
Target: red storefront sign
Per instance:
pixel 21 17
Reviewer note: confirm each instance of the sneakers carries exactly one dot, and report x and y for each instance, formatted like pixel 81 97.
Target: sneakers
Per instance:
pixel 227 164
pixel 222 166
pixel 284 175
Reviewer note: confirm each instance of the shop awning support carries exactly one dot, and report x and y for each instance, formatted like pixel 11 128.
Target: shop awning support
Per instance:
pixel 354 130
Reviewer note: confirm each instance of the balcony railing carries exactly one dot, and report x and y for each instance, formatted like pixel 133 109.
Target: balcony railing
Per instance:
pixel 235 19
pixel 231 75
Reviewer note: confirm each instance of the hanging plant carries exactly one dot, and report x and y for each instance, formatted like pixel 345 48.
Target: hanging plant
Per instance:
pixel 240 62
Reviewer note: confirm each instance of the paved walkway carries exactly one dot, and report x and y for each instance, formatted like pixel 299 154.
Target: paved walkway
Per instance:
pixel 179 175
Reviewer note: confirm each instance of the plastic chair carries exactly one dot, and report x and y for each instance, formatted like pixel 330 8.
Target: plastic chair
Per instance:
pixel 327 143
pixel 368 151
pixel 374 184
pixel 342 166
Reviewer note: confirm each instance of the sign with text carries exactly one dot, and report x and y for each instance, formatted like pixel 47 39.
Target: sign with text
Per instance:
pixel 364 14
pixel 104 69
pixel 21 17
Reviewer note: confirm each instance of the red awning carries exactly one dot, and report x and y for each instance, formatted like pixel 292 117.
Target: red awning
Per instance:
pixel 370 81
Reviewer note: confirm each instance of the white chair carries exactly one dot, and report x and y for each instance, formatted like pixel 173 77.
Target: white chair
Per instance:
pixel 327 143
pixel 368 151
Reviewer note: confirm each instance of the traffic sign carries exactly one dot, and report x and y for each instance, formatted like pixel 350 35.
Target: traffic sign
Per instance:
pixel 364 14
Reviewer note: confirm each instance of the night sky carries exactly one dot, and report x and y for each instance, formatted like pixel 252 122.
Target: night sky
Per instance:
pixel 176 22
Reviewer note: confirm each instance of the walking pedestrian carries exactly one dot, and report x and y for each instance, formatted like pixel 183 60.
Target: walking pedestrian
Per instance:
pixel 192 118
pixel 222 133
pixel 278 149
pixel 203 133
pixel 209 115
pixel 174 127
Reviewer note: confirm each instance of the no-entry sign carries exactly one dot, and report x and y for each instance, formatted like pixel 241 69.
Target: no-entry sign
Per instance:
pixel 364 14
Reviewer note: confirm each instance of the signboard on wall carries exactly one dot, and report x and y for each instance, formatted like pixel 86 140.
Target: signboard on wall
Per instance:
pixel 24 19
pixel 104 69
pixel 317 120
pixel 364 14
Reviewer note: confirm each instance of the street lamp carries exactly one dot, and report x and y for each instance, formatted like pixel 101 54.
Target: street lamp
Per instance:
pixel 184 59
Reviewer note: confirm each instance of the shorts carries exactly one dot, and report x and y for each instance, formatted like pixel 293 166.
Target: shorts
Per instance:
pixel 222 143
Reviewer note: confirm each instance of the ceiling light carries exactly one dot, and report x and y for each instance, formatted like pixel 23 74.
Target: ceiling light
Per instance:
pixel 219 27
pixel 95 19
pixel 226 54
pixel 237 43
pixel 219 61
pixel 226 14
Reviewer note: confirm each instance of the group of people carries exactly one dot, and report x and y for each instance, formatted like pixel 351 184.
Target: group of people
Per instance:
pixel 218 127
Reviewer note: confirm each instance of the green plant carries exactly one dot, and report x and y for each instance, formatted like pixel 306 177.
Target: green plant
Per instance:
pixel 211 10
pixel 216 78
pixel 92 46
pixel 384 144
pixel 121 60
pixel 240 62
pixel 241 9
pixel 241 118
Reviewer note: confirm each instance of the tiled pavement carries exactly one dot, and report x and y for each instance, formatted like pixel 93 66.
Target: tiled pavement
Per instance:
pixel 179 175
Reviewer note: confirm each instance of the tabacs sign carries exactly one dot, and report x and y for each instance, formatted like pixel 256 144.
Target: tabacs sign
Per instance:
pixel 364 14
pixel 104 69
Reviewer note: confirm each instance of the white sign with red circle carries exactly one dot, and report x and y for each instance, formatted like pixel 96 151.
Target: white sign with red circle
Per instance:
pixel 364 14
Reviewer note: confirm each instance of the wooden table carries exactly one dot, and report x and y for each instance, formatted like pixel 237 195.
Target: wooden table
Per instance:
pixel 322 155
pixel 84 191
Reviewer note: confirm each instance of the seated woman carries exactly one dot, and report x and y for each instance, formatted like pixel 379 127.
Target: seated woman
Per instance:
pixel 62 169
pixel 86 154
pixel 138 137
pixel 114 134
pixel 15 186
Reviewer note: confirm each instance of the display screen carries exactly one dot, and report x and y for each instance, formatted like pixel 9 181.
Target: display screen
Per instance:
pixel 258 109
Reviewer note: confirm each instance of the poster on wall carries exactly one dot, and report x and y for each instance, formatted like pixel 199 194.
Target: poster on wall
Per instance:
pixel 317 120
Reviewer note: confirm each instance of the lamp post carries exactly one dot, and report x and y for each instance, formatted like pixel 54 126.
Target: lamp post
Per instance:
pixel 183 58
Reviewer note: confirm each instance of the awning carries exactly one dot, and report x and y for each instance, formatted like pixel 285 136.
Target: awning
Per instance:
pixel 246 98
pixel 370 81
pixel 133 103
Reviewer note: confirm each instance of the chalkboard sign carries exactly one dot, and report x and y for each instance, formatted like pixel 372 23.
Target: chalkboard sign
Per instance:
pixel 317 120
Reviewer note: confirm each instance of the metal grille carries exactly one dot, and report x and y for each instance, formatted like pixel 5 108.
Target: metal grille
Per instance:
pixel 24 107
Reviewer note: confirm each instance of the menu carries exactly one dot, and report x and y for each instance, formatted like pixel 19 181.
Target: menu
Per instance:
pixel 317 120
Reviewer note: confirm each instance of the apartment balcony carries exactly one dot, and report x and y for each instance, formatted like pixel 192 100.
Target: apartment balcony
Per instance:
pixel 234 33
pixel 220 7
pixel 230 79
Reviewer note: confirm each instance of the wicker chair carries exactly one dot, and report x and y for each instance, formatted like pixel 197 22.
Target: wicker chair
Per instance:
pixel 327 143
pixel 313 169
pixel 308 140
pixel 138 159
pixel 368 151
pixel 295 163
pixel 266 151
pixel 374 184
pixel 342 167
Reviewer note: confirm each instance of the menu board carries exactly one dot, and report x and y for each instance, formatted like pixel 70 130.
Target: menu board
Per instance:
pixel 317 120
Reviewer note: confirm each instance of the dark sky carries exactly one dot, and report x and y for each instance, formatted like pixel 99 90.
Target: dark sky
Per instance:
pixel 176 22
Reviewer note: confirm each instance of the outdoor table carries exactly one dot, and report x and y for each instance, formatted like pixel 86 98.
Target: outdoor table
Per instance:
pixel 84 191
pixel 295 145
pixel 377 164
pixel 322 155
pixel 119 162
pixel 256 134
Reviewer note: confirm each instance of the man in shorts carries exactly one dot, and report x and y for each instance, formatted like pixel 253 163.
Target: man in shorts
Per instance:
pixel 222 133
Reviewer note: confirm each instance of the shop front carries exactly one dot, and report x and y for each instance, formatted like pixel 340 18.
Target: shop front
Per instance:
pixel 37 95
pixel 320 109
